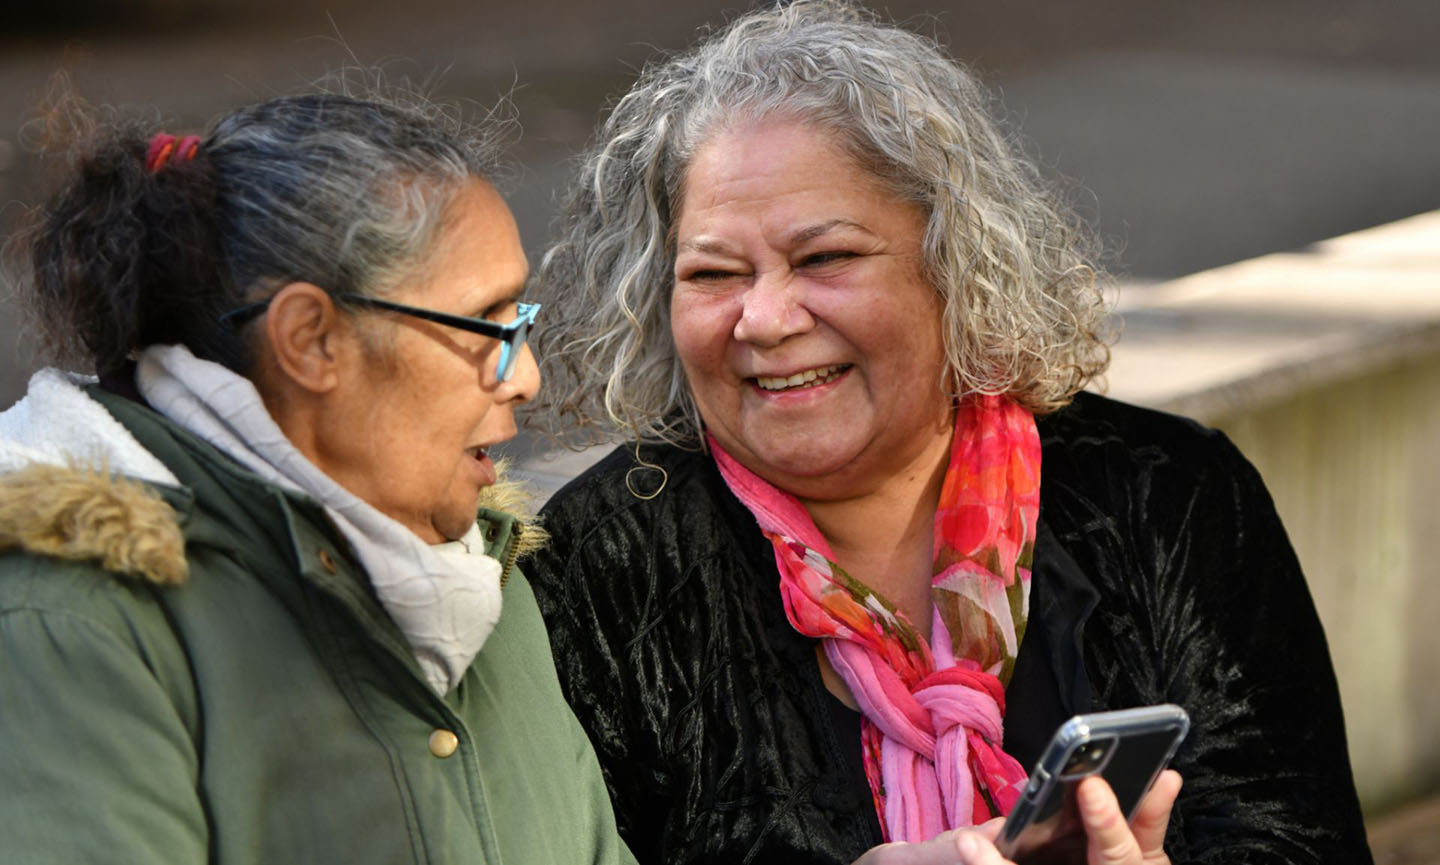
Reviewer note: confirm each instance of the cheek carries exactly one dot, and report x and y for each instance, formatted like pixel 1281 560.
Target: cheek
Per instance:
pixel 443 404
pixel 912 319
pixel 700 332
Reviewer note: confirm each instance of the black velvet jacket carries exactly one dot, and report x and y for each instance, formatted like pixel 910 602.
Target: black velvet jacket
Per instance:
pixel 1162 574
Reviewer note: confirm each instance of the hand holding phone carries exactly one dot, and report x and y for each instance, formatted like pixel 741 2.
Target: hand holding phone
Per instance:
pixel 1128 748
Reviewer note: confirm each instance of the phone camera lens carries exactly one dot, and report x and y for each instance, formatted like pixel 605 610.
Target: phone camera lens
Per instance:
pixel 1087 759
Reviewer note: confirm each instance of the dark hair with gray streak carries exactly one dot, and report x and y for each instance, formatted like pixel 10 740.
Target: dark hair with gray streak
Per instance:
pixel 1024 313
pixel 343 191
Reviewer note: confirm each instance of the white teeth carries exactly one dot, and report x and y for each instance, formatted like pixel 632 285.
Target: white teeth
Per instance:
pixel 808 378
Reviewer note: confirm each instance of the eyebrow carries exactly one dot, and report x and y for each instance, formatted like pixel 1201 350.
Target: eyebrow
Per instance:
pixel 821 228
pixel 803 235
pixel 704 244
pixel 500 302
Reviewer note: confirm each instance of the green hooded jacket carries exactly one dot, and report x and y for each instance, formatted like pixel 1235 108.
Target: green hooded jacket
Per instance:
pixel 202 674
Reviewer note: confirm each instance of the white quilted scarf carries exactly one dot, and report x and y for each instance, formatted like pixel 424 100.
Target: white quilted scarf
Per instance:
pixel 445 598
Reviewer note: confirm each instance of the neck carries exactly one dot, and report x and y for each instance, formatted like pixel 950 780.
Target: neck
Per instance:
pixel 885 536
pixel 296 417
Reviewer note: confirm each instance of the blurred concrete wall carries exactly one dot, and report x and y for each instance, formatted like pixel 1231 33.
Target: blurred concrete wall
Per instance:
pixel 1323 366
pixel 1355 471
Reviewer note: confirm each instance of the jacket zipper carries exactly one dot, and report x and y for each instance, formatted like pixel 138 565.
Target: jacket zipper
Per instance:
pixel 512 552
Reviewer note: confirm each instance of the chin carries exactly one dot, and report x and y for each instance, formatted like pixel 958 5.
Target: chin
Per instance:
pixel 453 527
pixel 817 463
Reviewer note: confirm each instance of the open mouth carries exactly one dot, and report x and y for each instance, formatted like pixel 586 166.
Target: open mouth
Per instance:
pixel 801 380
pixel 484 470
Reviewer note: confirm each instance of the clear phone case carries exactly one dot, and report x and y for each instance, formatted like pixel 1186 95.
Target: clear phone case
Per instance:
pixel 1128 748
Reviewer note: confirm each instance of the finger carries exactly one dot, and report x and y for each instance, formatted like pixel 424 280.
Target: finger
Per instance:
pixel 990 829
pixel 975 849
pixel 1109 840
pixel 957 847
pixel 1152 817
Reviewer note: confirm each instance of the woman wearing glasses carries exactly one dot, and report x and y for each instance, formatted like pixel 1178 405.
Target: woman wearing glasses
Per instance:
pixel 248 612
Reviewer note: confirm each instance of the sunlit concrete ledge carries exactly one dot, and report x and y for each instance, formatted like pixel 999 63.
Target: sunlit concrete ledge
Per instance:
pixel 1237 337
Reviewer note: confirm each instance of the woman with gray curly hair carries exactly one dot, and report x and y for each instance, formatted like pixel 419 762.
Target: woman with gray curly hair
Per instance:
pixel 872 543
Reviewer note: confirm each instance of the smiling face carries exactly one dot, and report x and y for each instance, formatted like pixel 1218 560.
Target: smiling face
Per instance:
pixel 416 421
pixel 810 340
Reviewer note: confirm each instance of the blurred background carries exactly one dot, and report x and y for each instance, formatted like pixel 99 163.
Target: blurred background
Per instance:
pixel 1193 135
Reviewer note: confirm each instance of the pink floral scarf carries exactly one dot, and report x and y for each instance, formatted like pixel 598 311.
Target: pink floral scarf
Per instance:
pixel 932 724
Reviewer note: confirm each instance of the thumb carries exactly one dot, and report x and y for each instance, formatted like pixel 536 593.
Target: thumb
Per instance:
pixel 1109 840
pixel 956 847
pixel 1152 817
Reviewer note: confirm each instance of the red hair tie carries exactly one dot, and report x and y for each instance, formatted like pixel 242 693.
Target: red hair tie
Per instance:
pixel 164 146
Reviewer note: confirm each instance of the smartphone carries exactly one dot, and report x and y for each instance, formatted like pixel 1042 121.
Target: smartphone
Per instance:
pixel 1128 748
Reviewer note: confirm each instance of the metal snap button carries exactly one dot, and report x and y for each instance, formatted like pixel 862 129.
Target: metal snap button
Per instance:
pixel 443 743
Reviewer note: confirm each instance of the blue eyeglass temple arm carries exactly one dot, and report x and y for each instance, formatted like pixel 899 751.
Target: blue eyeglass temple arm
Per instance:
pixel 512 334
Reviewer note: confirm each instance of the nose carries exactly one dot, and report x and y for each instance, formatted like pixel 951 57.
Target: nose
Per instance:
pixel 524 381
pixel 773 308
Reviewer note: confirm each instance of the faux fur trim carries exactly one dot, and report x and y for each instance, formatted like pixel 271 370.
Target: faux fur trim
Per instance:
pixel 517 499
pixel 86 514
pixel 532 538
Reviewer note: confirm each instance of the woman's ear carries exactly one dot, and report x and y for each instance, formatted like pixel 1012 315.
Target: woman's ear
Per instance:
pixel 306 335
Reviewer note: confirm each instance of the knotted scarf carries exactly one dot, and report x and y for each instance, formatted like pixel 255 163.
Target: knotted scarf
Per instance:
pixel 932 713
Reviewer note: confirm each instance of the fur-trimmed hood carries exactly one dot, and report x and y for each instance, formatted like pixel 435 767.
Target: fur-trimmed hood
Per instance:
pixel 72 512
pixel 75 484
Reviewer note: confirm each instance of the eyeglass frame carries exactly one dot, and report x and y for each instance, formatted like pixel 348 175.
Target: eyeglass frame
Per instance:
pixel 511 334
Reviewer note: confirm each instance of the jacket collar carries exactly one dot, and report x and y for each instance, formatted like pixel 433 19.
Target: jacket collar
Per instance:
pixel 278 533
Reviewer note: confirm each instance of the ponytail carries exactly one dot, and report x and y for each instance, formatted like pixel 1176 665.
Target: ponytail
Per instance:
pixel 126 257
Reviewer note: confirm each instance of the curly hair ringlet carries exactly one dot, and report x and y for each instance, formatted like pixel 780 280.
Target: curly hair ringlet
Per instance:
pixel 1024 309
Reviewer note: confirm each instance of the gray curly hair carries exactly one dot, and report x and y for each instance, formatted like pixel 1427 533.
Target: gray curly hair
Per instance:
pixel 1024 312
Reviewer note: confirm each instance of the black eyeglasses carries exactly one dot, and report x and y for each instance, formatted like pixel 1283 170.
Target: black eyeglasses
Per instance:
pixel 512 334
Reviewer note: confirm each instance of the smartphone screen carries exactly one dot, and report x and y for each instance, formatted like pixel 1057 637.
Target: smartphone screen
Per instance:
pixel 1128 749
